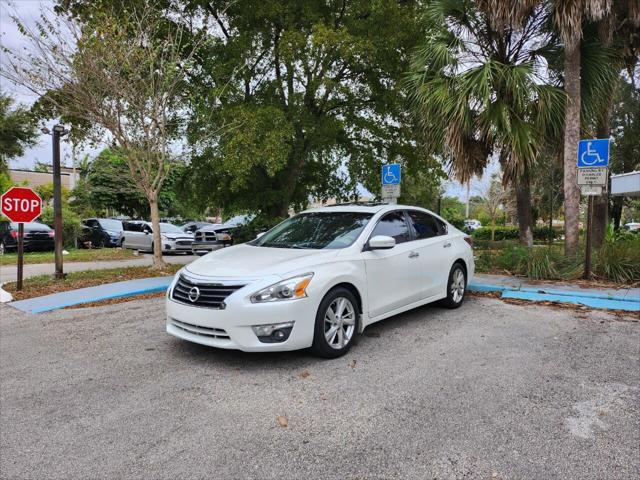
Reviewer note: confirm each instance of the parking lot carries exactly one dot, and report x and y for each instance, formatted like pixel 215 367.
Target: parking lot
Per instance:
pixel 491 390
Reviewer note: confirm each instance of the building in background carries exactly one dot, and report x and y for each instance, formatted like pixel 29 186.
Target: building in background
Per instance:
pixel 30 178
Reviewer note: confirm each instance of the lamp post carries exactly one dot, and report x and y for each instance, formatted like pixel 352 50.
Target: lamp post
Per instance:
pixel 58 132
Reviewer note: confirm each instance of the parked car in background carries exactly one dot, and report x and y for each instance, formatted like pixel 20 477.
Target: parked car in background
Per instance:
pixel 632 226
pixel 101 232
pixel 471 225
pixel 37 236
pixel 138 235
pixel 211 238
pixel 191 227
pixel 320 278
pixel 208 239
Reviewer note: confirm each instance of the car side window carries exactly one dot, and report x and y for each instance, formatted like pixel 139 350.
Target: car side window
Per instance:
pixel 393 225
pixel 425 225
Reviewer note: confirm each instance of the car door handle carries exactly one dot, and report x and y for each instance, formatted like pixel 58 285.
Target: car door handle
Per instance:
pixel 447 245
pixel 414 255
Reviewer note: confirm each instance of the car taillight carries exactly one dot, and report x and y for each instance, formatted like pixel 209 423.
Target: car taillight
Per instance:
pixel 469 240
pixel 14 234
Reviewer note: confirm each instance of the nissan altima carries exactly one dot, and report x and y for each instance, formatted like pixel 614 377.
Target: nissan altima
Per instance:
pixel 320 278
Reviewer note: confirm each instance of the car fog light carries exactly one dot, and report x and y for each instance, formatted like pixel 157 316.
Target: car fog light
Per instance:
pixel 274 333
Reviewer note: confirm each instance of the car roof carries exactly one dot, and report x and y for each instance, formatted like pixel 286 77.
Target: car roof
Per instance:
pixel 364 208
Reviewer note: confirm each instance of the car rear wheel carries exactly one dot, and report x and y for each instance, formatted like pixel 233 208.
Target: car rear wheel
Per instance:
pixel 336 324
pixel 456 287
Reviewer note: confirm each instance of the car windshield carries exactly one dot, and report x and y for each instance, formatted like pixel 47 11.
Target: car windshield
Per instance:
pixel 168 228
pixel 113 225
pixel 316 230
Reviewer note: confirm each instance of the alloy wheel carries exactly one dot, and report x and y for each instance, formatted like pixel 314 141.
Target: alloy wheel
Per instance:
pixel 457 285
pixel 339 323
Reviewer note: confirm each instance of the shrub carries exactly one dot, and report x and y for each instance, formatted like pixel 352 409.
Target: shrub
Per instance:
pixel 512 233
pixel 71 224
pixel 502 233
pixel 540 264
pixel 619 259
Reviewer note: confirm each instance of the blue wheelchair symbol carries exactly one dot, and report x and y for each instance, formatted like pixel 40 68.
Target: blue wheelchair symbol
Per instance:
pixel 391 174
pixel 593 153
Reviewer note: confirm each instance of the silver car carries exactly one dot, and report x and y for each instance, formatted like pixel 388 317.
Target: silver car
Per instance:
pixel 139 236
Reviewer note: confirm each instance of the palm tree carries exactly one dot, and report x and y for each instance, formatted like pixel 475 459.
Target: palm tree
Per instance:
pixel 478 85
pixel 569 16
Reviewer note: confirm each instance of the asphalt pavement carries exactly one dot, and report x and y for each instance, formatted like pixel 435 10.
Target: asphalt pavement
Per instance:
pixel 8 273
pixel 491 390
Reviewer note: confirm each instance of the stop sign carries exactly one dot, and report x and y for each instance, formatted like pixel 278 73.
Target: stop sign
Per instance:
pixel 21 204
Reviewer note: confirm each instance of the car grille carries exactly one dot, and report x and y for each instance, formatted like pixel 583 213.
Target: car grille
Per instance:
pixel 184 242
pixel 211 295
pixel 37 235
pixel 200 330
pixel 206 236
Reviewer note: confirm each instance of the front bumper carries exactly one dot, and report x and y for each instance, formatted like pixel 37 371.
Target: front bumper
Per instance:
pixel 231 328
pixel 197 247
pixel 176 246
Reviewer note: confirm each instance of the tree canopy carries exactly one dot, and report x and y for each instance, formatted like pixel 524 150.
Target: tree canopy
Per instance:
pixel 311 93
pixel 17 131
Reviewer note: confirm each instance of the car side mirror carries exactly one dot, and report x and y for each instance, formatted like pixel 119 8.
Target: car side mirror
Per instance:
pixel 260 234
pixel 381 242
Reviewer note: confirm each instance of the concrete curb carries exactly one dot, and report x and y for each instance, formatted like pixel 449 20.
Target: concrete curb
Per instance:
pixel 5 297
pixel 589 299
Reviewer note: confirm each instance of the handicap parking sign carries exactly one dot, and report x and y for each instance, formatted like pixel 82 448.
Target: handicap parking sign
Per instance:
pixel 391 174
pixel 593 153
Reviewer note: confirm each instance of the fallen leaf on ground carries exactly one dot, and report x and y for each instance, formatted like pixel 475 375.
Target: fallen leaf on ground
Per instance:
pixel 353 363
pixel 282 421
pixel 305 374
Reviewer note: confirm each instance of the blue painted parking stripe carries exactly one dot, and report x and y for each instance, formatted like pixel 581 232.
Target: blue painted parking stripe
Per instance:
pixel 488 287
pixel 93 294
pixel 575 299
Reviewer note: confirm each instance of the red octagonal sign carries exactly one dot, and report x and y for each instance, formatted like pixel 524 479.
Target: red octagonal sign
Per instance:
pixel 21 204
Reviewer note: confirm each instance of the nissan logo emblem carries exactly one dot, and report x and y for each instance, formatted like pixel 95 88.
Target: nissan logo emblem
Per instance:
pixel 194 294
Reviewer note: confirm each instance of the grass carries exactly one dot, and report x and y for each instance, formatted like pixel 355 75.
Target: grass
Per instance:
pixel 75 255
pixel 46 284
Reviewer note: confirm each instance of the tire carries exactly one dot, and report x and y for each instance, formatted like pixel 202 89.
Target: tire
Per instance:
pixel 333 345
pixel 456 287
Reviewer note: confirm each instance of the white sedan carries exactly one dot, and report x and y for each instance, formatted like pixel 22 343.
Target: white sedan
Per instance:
pixel 320 278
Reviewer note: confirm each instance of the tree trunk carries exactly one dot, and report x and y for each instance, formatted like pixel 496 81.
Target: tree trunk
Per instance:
pixel 523 205
pixel 571 138
pixel 158 262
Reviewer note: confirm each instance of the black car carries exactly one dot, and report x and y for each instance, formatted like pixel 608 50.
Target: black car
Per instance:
pixel 101 232
pixel 37 236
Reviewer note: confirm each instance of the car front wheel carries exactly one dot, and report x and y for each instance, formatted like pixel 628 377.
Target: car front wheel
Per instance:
pixel 336 324
pixel 456 287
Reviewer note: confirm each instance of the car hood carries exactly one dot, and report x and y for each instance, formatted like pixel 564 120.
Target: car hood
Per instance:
pixel 254 262
pixel 178 236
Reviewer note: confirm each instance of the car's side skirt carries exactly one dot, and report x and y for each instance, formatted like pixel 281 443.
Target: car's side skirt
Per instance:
pixel 368 321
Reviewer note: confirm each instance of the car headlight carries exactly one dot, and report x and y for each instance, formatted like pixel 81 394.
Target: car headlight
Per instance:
pixel 289 289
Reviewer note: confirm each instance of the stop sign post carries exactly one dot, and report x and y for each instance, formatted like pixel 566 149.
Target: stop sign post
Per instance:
pixel 20 204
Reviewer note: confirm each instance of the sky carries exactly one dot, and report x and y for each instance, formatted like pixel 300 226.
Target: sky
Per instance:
pixel 29 11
